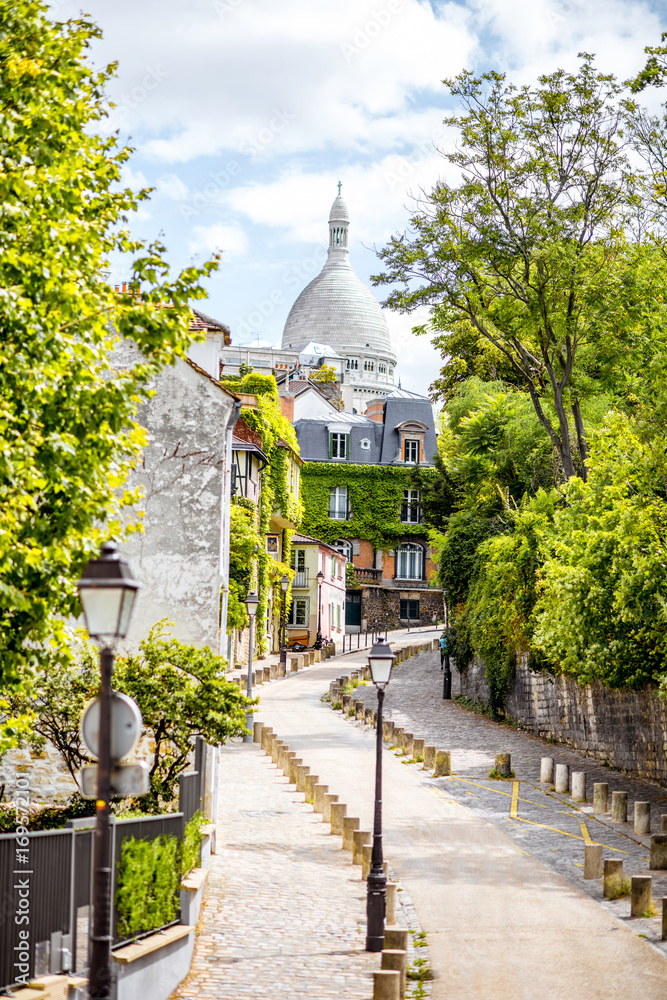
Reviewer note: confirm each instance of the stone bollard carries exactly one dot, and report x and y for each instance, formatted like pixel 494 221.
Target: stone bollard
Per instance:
pixel 547 770
pixel 418 748
pixel 318 655
pixel 329 797
pixel 663 823
pixel 319 791
pixel 359 838
pixel 311 658
pixel 664 918
pixel 503 764
pixel 642 817
pixel 386 984
pixel 579 786
pixel 301 773
pixel 562 781
pixel 338 814
pixel 393 958
pixel 409 744
pixel 392 900
pixel 293 664
pixel 257 677
pixel 359 710
pixel 613 878
pixel 276 747
pixel 257 732
pixel 600 797
pixel 347 703
pixel 243 682
pixel 593 861
pixel 398 737
pixel 387 730
pixel 282 669
pixel 366 852
pixel 266 674
pixel 658 852
pixel 641 895
pixel 283 761
pixel 265 739
pixel 311 781
pixel 293 764
pixel 368 716
pixel 350 824
pixel 443 763
pixel 396 937
pixel 273 672
pixel 619 807
pixel 429 757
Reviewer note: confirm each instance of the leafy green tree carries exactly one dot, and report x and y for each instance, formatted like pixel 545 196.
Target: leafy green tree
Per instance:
pixel 68 432
pixel 529 249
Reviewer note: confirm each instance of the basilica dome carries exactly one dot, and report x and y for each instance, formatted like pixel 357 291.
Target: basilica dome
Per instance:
pixel 337 308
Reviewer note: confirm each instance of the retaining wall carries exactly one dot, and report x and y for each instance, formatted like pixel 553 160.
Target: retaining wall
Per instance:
pixel 627 729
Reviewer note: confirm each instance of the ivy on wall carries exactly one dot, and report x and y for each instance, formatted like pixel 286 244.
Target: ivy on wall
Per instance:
pixel 375 498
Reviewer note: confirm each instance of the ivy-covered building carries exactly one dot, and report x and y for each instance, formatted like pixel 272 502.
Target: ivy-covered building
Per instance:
pixel 359 496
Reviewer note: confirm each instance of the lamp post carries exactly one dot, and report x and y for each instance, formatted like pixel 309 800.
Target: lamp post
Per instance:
pixel 107 593
pixel 251 602
pixel 380 660
pixel 318 640
pixel 284 586
pixel 447 680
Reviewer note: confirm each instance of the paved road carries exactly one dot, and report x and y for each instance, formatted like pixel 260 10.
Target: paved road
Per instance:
pixel 500 924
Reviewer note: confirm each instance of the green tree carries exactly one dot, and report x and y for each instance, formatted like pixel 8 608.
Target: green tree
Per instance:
pixel 529 249
pixel 67 427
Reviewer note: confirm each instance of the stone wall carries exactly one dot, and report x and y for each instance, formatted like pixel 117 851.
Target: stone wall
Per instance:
pixel 381 606
pixel 627 729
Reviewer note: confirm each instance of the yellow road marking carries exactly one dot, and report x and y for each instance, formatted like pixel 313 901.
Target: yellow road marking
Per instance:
pixel 448 798
pixel 575 836
pixel 498 791
pixel 515 801
pixel 587 837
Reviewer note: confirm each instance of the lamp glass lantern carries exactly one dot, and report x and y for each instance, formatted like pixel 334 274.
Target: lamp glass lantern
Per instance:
pixel 320 576
pixel 107 593
pixel 284 584
pixel 380 660
pixel 251 604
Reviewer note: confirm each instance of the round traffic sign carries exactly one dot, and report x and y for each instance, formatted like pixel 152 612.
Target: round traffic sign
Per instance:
pixel 126 724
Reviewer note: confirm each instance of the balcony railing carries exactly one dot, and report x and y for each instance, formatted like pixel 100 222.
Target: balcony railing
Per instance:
pixel 300 581
pixel 367 575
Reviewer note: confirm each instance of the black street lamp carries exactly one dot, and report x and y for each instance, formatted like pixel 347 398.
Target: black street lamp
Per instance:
pixel 447 680
pixel 251 603
pixel 284 586
pixel 380 660
pixel 107 593
pixel 318 640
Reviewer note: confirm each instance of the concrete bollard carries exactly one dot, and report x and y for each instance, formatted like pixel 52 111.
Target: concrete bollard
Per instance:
pixel 329 797
pixel 257 732
pixel 243 682
pixel 276 747
pixel 579 786
pixel 429 757
pixel 359 710
pixel 311 658
pixel 663 823
pixel 547 770
pixel 664 918
pixel 359 838
pixel 319 791
pixel 338 814
pixel 318 655
pixel 368 716
pixel 387 730
pixel 642 817
pixel 386 984
pixel 257 677
pixel 347 703
pixel 613 878
pixel 273 672
pixel 293 664
pixel 311 781
pixel 504 764
pixel 265 738
pixel 282 669
pixel 392 900
pixel 562 781
pixel 350 824
pixel 398 737
pixel 600 797
pixel 658 852
pixel 301 772
pixel 641 895
pixel 266 674
pixel 619 807
pixel 394 958
pixel 443 763
pixel 418 748
pixel 408 744
pixel 593 861
pixel 396 937
pixel 293 764
pixel 366 852
pixel 282 758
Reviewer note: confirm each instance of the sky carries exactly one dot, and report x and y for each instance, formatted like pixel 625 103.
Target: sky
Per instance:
pixel 244 115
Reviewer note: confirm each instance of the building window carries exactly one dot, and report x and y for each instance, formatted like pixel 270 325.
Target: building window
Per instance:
pixel 352 364
pixel 344 547
pixel 333 567
pixel 411 451
pixel 338 616
pixel 338 445
pixel 382 368
pixel 299 611
pixel 369 366
pixel 338 509
pixel 409 610
pixel 410 562
pixel 410 511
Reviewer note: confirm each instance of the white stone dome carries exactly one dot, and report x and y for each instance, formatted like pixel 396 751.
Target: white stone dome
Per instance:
pixel 337 308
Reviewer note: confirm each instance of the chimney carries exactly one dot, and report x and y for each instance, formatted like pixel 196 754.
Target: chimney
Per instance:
pixel 375 410
pixel 287 407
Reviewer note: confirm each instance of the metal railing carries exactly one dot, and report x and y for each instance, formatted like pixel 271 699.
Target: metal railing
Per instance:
pixel 300 581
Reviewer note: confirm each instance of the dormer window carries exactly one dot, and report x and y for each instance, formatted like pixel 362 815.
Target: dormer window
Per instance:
pixel 338 445
pixel 411 451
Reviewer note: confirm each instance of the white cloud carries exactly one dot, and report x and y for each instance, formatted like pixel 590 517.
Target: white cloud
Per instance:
pixel 172 187
pixel 231 240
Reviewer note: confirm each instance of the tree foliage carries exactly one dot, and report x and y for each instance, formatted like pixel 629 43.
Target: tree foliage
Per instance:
pixel 67 427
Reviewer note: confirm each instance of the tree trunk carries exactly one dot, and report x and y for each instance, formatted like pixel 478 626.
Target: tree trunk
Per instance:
pixel 569 470
pixel 581 439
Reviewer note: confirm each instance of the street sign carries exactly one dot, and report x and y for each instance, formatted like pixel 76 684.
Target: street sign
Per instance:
pixel 126 779
pixel 126 724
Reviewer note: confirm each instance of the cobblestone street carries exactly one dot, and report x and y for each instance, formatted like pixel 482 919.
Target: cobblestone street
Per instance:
pixel 549 827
